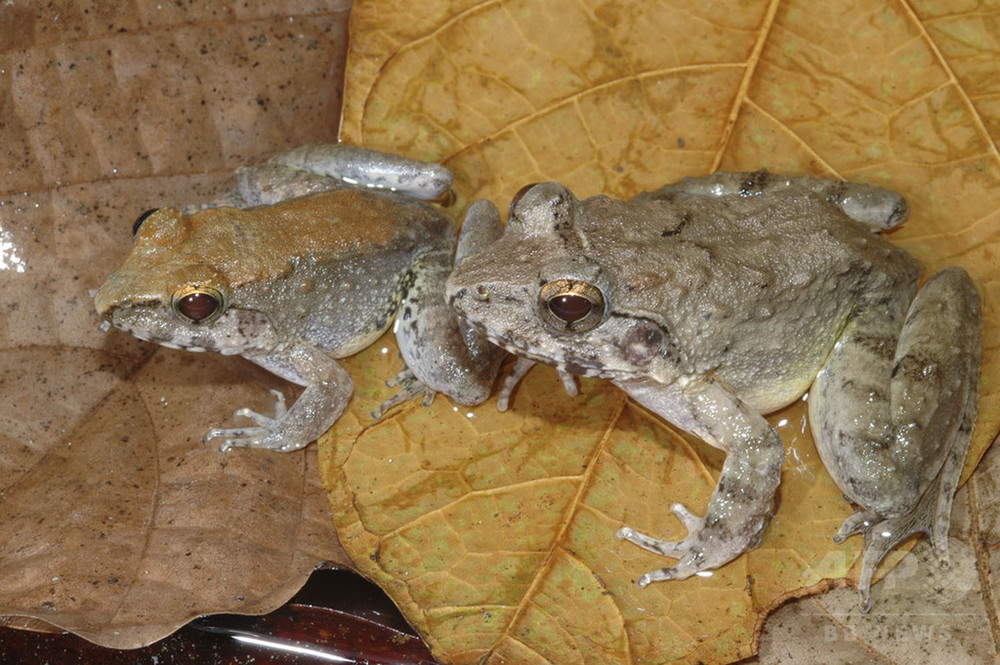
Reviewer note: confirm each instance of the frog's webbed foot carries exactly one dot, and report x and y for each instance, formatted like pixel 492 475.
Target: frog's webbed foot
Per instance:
pixel 518 372
pixel 931 516
pixel 327 391
pixel 704 548
pixel 410 387
pixel 265 435
pixel 880 536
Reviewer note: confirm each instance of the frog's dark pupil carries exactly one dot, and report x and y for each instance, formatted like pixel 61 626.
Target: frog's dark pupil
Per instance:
pixel 142 218
pixel 197 306
pixel 570 307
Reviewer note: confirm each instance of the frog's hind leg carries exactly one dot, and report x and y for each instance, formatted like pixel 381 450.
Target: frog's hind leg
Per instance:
pixel 892 414
pixel 441 353
pixel 324 167
pixel 363 167
pixel 877 208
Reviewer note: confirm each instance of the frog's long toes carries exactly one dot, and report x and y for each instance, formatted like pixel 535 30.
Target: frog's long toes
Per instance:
pixel 570 385
pixel 858 522
pixel 510 382
pixel 671 548
pixel 691 522
pixel 410 389
pixel 692 562
pixel 881 535
pixel 661 575
pixel 259 418
pixel 229 443
pixel 402 379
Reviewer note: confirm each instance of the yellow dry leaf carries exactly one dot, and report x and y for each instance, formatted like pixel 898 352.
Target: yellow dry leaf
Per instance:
pixel 494 532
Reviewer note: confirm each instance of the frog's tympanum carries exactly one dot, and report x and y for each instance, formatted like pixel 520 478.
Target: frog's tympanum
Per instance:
pixel 718 299
pixel 312 258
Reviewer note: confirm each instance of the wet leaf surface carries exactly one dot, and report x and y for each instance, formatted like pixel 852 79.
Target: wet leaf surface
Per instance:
pixel 494 532
pixel 116 521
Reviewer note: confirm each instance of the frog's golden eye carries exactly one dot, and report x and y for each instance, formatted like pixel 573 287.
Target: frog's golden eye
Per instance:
pixel 571 306
pixel 139 220
pixel 197 304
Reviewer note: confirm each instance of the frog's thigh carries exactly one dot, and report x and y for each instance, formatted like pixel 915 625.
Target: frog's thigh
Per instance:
pixel 887 415
pixel 371 168
pixel 270 183
pixel 874 207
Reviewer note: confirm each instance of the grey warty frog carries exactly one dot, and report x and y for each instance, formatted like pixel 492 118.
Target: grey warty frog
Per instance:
pixel 721 298
pixel 313 256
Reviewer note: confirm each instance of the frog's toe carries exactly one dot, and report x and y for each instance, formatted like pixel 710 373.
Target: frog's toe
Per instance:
pixel 859 522
pixel 237 437
pixel 410 387
pixel 692 559
pixel 661 575
pixel 264 421
pixel 511 381
pixel 693 563
pixel 259 418
pixel 672 548
pixel 264 438
pixel 691 522
pixel 570 385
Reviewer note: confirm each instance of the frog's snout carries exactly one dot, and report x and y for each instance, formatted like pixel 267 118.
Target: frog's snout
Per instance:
pixel 479 293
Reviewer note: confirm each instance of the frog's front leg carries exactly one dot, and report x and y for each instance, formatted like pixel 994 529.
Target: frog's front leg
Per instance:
pixel 875 207
pixel 324 167
pixel 328 389
pixel 741 502
pixel 442 353
pixel 892 414
pixel 521 368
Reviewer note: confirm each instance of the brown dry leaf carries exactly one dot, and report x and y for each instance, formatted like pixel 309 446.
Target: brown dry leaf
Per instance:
pixel 493 532
pixel 116 521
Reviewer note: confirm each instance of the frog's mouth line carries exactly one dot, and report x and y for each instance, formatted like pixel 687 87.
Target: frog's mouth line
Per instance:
pixel 109 322
pixel 565 365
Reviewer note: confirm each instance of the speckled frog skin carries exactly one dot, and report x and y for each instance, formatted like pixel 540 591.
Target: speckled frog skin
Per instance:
pixel 313 256
pixel 718 299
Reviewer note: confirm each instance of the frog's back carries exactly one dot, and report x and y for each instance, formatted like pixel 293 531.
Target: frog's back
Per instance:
pixel 329 229
pixel 741 246
pixel 754 289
